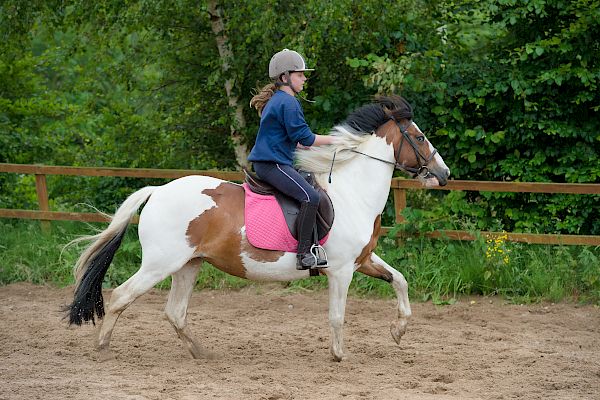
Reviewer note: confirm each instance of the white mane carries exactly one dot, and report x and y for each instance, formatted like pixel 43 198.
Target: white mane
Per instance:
pixel 318 159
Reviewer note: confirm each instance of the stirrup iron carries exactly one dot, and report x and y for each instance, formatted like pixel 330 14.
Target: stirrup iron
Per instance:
pixel 315 258
pixel 320 255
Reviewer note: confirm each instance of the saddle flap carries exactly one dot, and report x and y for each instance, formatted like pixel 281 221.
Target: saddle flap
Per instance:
pixel 325 213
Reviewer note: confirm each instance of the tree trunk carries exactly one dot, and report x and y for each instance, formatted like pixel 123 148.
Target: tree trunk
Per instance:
pixel 226 54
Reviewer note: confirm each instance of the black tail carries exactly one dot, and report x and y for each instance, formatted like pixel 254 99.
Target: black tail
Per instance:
pixel 95 260
pixel 88 295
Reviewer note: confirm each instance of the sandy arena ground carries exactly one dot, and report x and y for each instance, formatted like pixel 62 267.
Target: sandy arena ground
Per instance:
pixel 272 344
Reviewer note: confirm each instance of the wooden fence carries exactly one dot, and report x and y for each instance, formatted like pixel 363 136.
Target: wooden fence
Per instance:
pixel 399 188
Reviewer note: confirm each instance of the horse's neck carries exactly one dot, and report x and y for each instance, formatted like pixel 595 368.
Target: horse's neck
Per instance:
pixel 362 180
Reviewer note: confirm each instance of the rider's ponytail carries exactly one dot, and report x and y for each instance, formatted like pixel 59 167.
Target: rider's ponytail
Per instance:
pixel 262 96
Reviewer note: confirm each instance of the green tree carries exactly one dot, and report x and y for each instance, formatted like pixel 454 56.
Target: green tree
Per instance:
pixel 511 89
pixel 143 84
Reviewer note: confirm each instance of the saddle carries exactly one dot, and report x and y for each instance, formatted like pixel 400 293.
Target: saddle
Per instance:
pixel 290 207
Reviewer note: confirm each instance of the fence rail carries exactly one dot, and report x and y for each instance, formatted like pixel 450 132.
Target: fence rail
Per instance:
pixel 399 188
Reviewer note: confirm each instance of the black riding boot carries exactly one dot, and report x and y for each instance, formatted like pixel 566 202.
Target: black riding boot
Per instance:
pixel 305 225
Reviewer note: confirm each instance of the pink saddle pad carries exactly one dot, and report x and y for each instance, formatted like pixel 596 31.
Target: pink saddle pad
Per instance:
pixel 265 224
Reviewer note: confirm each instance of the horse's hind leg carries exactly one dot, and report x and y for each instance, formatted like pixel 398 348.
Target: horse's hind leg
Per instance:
pixel 177 304
pixel 374 266
pixel 139 283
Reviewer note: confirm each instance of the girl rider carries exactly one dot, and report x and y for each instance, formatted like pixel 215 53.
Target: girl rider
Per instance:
pixel 282 129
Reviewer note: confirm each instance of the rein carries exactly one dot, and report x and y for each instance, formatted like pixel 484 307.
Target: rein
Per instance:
pixel 422 171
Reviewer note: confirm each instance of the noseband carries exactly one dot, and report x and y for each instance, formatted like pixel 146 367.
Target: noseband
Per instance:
pixel 421 171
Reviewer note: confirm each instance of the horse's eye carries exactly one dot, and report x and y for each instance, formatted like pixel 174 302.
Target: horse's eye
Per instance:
pixel 420 138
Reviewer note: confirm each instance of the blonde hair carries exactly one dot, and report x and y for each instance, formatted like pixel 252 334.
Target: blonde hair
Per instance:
pixel 262 96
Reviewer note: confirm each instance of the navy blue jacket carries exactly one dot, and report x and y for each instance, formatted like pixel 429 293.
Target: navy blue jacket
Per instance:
pixel 282 127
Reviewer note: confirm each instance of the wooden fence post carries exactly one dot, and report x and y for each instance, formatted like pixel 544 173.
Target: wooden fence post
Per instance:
pixel 42 195
pixel 399 203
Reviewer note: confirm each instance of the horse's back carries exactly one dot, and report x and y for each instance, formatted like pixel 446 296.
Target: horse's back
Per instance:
pixel 173 206
pixel 189 185
pixel 199 216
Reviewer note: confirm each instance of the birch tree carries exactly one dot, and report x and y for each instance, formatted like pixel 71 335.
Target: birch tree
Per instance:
pixel 226 55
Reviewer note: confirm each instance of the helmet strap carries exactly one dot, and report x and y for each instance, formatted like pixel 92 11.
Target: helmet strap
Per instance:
pixel 281 82
pixel 305 99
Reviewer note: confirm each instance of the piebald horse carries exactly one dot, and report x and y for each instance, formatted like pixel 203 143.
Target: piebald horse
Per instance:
pixel 199 218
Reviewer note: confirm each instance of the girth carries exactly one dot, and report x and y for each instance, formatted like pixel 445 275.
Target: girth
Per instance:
pixel 291 207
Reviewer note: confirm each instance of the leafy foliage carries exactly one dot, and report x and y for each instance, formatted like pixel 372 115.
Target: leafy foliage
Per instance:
pixel 507 90
pixel 510 92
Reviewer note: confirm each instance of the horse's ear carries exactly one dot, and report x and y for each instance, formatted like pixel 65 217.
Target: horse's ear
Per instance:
pixel 389 113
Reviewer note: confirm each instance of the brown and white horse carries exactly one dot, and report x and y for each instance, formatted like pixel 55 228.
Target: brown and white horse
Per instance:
pixel 198 218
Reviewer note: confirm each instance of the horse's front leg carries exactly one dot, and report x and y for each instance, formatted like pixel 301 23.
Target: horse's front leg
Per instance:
pixel 374 266
pixel 339 281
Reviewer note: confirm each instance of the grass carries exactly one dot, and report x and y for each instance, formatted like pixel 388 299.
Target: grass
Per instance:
pixel 437 270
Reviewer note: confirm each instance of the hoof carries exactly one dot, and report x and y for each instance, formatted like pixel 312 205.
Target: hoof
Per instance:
pixel 200 353
pixel 204 355
pixel 337 357
pixel 105 355
pixel 398 329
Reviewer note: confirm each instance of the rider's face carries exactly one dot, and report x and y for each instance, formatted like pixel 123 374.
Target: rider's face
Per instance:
pixel 297 81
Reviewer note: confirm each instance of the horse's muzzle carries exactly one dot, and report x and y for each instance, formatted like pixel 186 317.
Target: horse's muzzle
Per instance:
pixel 441 177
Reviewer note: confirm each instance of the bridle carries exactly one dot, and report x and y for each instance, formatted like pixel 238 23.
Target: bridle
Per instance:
pixel 422 170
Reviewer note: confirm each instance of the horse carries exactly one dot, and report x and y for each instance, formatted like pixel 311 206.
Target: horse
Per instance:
pixel 199 218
